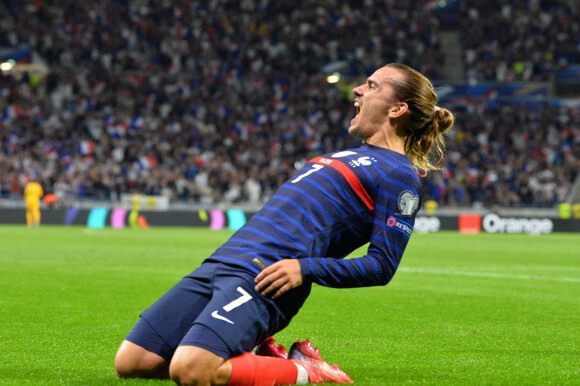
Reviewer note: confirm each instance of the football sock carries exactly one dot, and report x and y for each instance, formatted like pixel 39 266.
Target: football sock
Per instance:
pixel 249 369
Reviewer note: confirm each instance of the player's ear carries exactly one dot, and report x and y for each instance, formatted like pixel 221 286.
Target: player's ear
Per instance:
pixel 398 110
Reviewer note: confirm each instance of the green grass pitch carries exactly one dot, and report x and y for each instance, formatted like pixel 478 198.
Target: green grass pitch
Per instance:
pixel 462 309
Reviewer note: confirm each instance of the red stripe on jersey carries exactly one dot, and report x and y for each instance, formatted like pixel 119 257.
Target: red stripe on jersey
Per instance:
pixel 350 177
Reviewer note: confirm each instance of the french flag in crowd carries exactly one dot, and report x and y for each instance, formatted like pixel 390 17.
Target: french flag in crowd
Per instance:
pixel 13 142
pixel 65 159
pixel 49 150
pixel 86 147
pixel 315 116
pixel 5 92
pixel 88 160
pixel 280 96
pixel 136 123
pixel 260 118
pixel 146 162
pixel 99 87
pixel 281 108
pixel 11 112
pixel 224 112
pixel 307 131
pixel 174 127
pixel 117 131
pixel 239 129
pixel 280 90
pixel 85 104
pixel 313 144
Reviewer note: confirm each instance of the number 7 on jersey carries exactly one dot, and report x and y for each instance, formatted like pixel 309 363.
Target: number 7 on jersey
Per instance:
pixel 315 168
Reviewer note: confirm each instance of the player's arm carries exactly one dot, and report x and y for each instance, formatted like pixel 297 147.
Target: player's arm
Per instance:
pixel 375 268
pixel 389 238
pixel 391 231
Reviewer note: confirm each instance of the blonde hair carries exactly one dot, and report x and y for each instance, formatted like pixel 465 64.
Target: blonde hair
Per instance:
pixel 425 123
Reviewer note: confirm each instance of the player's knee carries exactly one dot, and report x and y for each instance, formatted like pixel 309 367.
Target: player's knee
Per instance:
pixel 133 361
pixel 194 366
pixel 183 372
pixel 125 367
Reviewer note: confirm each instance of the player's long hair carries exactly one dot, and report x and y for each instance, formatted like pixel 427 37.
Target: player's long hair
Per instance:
pixel 426 122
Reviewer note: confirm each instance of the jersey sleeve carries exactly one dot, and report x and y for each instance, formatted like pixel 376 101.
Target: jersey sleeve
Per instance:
pixel 397 201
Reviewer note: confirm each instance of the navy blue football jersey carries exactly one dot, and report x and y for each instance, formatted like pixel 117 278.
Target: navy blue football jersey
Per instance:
pixel 332 206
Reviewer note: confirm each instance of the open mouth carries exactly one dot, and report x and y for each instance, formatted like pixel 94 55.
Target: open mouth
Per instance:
pixel 357 107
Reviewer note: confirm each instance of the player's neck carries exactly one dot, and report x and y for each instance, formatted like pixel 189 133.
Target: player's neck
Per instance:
pixel 391 142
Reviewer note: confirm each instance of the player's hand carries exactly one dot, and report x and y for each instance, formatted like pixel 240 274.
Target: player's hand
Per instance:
pixel 279 278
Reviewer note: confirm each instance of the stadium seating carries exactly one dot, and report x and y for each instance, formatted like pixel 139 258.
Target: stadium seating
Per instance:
pixel 219 101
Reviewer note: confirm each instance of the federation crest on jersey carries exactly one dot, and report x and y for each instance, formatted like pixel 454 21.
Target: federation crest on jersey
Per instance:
pixel 408 203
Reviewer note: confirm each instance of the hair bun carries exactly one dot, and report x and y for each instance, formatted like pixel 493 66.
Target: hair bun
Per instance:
pixel 444 118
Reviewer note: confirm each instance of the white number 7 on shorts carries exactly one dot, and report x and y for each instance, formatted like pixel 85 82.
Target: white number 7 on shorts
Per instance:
pixel 246 297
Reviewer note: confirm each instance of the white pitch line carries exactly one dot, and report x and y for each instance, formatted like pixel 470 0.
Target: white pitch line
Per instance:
pixel 487 274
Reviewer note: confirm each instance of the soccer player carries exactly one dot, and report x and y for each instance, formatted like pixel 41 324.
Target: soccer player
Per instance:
pixel 32 194
pixel 203 330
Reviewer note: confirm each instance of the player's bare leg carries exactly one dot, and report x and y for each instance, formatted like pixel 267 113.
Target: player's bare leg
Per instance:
pixel 134 361
pixel 192 365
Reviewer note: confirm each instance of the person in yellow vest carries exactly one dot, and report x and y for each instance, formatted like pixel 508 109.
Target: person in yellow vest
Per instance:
pixel 32 194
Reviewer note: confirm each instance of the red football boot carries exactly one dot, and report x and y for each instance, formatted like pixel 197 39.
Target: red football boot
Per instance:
pixel 318 370
pixel 268 349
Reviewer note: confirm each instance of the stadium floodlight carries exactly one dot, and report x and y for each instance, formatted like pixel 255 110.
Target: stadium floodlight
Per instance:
pixel 8 65
pixel 333 78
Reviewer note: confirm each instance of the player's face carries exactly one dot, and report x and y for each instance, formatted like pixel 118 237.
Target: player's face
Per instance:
pixel 372 101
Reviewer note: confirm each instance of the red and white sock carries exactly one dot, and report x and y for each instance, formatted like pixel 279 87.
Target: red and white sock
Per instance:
pixel 249 369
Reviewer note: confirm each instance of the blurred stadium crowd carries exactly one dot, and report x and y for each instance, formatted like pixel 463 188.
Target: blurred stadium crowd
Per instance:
pixel 221 100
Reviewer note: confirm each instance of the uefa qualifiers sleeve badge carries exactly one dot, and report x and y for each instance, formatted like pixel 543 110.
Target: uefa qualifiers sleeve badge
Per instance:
pixel 408 203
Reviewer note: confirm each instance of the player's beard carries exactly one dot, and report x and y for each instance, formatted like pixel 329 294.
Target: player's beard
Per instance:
pixel 355 126
pixel 363 125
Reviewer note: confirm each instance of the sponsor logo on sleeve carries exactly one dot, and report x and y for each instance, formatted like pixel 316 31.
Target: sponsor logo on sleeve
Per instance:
pixel 400 226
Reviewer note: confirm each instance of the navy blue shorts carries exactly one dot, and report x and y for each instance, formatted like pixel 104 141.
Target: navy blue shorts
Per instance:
pixel 215 308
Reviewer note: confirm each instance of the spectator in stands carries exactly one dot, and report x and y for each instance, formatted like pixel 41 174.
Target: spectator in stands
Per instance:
pixel 518 41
